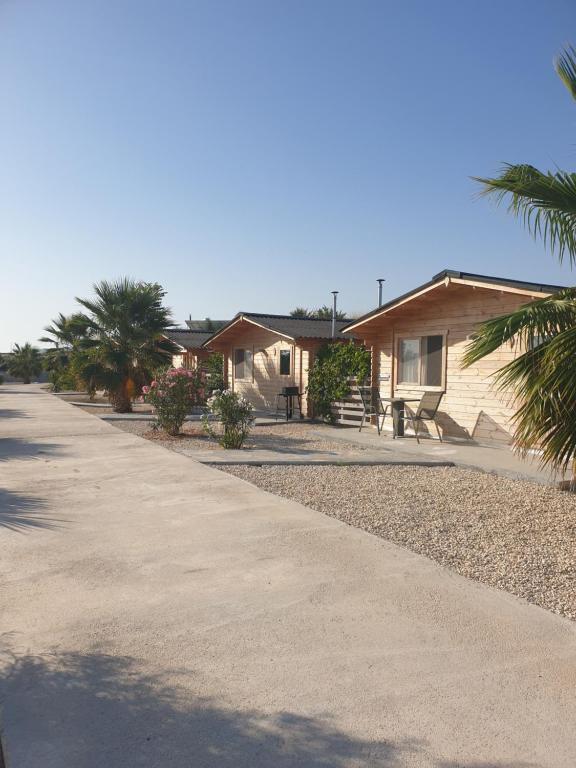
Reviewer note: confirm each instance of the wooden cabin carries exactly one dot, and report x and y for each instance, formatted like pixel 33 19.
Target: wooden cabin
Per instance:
pixel 418 340
pixel 192 352
pixel 264 353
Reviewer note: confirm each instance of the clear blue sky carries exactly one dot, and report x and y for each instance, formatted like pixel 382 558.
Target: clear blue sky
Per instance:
pixel 256 155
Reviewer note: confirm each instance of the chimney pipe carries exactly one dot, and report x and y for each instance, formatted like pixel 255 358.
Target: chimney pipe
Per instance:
pixel 335 294
pixel 380 281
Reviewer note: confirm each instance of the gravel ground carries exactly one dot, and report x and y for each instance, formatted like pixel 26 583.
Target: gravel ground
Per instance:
pixel 511 534
pixel 282 438
pixel 102 403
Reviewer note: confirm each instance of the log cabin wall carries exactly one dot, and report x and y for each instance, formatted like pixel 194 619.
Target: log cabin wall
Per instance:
pixel 190 359
pixel 263 382
pixel 471 407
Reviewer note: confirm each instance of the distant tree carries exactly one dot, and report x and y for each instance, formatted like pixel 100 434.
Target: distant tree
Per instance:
pixel 24 362
pixel 209 325
pixel 325 313
pixel 301 312
pixel 322 313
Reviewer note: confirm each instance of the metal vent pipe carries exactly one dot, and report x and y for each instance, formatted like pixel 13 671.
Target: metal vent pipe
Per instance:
pixel 335 294
pixel 380 281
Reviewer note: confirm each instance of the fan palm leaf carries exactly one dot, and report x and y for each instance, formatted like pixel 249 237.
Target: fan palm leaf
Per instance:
pixel 124 325
pixel 544 201
pixel 542 377
pixel 565 66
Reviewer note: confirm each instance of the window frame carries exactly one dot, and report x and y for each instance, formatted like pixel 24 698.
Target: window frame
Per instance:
pixel 420 335
pixel 290 357
pixel 248 367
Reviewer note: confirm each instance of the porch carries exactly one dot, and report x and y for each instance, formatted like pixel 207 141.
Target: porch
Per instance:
pixel 498 458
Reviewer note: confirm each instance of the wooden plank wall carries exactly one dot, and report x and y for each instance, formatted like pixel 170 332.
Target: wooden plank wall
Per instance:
pixel 471 407
pixel 349 412
pixel 266 382
pixel 190 359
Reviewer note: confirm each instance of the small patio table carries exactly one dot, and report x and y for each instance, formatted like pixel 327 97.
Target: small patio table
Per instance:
pixel 397 404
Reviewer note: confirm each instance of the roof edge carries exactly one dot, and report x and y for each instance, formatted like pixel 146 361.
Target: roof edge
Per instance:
pixel 246 316
pixel 446 274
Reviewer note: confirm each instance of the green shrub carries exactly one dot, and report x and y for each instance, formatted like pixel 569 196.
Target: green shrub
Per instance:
pixel 235 415
pixel 63 380
pixel 329 377
pixel 214 366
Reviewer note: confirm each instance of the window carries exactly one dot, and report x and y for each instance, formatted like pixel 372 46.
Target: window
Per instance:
pixel 242 364
pixel 420 361
pixel 284 362
pixel 535 340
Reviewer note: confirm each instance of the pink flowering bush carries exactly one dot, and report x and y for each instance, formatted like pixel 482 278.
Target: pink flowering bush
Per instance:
pixel 173 393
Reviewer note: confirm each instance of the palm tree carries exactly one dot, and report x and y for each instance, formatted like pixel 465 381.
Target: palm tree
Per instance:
pixel 65 331
pixel 24 362
pixel 542 377
pixel 67 360
pixel 301 312
pixel 325 313
pixel 123 337
pixel 322 313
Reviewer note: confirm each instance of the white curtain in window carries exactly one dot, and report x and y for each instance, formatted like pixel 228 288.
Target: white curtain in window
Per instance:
pixel 248 364
pixel 409 364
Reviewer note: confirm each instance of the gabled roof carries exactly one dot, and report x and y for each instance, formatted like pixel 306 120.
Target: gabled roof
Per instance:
pixel 285 325
pixel 448 276
pixel 188 339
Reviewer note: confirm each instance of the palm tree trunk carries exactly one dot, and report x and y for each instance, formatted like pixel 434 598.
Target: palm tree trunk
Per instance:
pixel 121 399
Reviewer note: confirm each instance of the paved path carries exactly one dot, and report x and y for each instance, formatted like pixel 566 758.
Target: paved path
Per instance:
pixel 493 459
pixel 158 613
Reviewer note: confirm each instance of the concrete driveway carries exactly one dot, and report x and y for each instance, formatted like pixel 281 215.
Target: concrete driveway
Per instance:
pixel 157 612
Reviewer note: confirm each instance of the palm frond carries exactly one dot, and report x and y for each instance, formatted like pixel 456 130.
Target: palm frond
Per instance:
pixel 537 321
pixel 546 203
pixel 124 325
pixel 544 381
pixel 542 377
pixel 565 66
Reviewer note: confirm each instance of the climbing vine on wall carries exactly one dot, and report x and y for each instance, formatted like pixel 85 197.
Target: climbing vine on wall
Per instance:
pixel 329 377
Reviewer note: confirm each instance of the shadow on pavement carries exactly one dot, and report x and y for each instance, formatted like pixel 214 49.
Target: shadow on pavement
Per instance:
pixel 98 710
pixel 20 513
pixel 19 448
pixel 95 709
pixel 13 413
